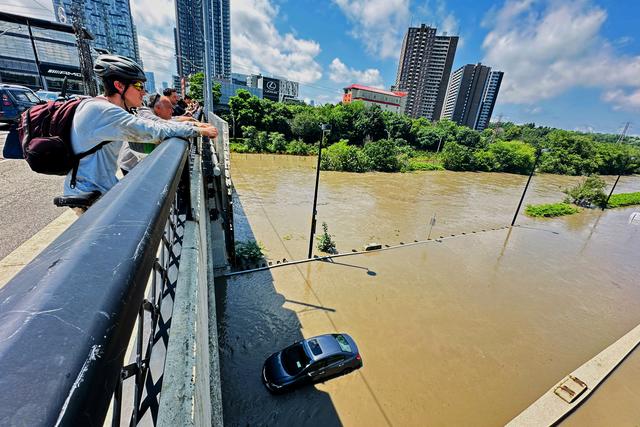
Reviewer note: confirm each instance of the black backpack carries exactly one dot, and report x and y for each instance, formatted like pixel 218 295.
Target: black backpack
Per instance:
pixel 45 136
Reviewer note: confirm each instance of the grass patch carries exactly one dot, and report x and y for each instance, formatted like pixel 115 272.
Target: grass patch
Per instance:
pixel 550 210
pixel 624 199
pixel 238 147
pixel 422 164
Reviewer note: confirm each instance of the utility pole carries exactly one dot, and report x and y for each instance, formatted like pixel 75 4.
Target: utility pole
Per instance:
pixel 206 17
pixel 620 139
pixel 84 51
pixel 326 128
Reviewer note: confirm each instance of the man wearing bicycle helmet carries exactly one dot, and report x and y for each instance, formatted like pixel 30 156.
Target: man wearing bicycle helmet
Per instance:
pixel 108 118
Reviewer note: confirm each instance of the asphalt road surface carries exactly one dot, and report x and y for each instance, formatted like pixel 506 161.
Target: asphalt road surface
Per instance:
pixel 26 201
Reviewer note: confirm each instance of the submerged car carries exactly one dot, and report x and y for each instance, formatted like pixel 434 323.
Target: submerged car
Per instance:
pixel 310 361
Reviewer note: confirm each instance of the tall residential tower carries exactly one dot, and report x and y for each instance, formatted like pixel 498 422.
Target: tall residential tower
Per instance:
pixel 109 21
pixel 423 71
pixel 189 37
pixel 471 95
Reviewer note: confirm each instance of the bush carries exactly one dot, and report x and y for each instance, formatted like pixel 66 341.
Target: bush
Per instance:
pixel 550 210
pixel 484 160
pixel 512 156
pixel 457 157
pixel 624 199
pixel 249 251
pixel 418 164
pixel 382 155
pixel 238 147
pixel 325 242
pixel 277 143
pixel 343 157
pixel 588 193
pixel 297 147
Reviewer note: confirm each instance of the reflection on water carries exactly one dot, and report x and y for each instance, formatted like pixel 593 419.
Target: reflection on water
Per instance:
pixel 466 331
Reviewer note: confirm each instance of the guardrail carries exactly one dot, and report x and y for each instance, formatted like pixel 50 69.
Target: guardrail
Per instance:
pixel 66 319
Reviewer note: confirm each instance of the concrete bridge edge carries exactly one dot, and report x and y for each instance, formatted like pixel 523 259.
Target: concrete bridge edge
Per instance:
pixel 191 394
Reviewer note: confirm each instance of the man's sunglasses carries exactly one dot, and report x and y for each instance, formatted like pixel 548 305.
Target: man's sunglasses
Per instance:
pixel 138 85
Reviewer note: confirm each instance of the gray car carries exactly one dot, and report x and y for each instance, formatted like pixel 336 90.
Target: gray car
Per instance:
pixel 309 361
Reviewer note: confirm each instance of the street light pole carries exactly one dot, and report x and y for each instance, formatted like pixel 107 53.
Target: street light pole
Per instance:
pixel 325 129
pixel 614 185
pixel 535 164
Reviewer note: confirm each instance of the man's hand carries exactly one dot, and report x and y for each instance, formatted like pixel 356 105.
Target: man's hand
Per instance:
pixel 209 131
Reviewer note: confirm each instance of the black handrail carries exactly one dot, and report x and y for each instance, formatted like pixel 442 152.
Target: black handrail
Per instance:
pixel 67 317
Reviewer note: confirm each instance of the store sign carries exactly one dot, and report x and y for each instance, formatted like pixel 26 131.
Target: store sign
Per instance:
pixel 271 89
pixel 56 70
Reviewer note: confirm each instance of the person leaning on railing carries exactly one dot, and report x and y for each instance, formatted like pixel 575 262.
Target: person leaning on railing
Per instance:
pixel 158 108
pixel 109 118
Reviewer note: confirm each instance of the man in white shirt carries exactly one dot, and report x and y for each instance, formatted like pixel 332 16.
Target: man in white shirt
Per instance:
pixel 109 118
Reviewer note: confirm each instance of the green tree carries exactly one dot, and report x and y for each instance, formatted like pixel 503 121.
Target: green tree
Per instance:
pixel 343 157
pixel 570 154
pixel 277 143
pixel 306 125
pixel 245 109
pixel 588 193
pixel 512 156
pixel 369 125
pixel 196 88
pixel 458 157
pixel 382 155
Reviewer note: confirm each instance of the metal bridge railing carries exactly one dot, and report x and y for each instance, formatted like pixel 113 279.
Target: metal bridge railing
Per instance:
pixel 66 319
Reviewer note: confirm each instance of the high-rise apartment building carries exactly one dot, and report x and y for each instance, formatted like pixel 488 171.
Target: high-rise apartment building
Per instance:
pixel 423 71
pixel 189 37
pixel 471 95
pixel 109 21
pixel 150 84
pixel 489 99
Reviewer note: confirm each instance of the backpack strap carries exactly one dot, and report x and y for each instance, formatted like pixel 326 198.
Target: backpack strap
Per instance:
pixel 72 184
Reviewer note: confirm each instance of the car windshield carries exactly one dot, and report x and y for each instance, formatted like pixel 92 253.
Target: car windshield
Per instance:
pixel 294 359
pixel 343 343
pixel 47 96
pixel 24 95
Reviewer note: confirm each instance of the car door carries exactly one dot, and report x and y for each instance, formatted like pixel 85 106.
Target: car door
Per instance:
pixel 335 365
pixel 316 372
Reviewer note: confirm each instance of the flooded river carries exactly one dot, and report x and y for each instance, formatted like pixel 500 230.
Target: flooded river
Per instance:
pixel 465 330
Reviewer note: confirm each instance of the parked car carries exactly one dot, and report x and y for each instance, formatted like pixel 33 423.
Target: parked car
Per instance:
pixel 309 361
pixel 14 100
pixel 46 95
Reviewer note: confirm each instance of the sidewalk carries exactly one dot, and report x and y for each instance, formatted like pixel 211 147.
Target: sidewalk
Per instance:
pixel 26 252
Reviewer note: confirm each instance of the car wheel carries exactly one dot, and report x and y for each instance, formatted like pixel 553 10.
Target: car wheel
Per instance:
pixel 347 371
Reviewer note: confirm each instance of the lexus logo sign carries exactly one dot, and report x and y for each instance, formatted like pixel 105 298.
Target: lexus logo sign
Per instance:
pixel 271 88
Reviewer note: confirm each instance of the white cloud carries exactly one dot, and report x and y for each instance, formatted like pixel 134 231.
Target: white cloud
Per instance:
pixel 155 20
pixel 340 73
pixel 444 20
pixel 379 24
pixel 546 47
pixel 623 100
pixel 258 46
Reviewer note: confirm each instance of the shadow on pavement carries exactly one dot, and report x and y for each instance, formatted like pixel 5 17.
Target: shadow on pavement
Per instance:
pixel 253 324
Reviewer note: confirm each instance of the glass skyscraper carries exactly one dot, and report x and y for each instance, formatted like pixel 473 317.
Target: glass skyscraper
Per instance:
pixel 189 38
pixel 109 21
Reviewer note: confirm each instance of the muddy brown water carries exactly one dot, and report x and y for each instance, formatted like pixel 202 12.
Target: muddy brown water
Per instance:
pixel 468 330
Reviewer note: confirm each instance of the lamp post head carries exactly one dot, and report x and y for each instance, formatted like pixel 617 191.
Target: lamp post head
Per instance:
pixel 326 127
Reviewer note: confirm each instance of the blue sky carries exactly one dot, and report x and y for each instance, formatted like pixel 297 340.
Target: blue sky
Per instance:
pixel 573 64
